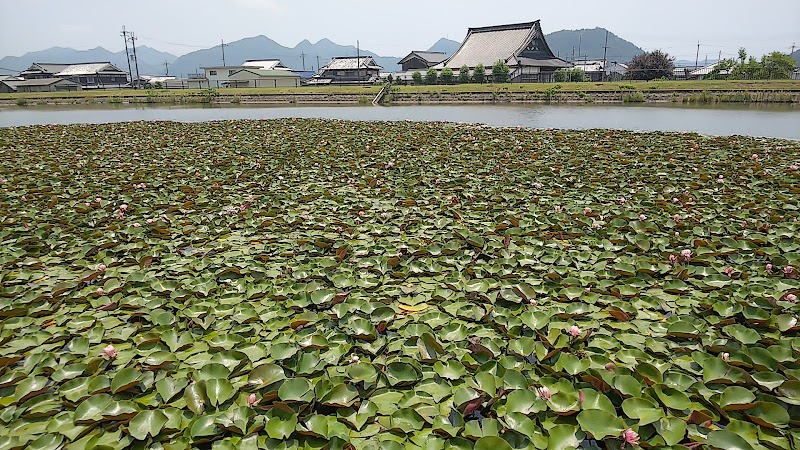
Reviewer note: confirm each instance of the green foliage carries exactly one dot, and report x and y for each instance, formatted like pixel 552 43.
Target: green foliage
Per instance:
pixel 774 66
pixel 570 75
pixel 463 74
pixel 500 72
pixel 722 70
pixel 390 79
pixel 479 74
pixel 275 284
pixel 447 75
pixel 650 66
pixel 431 76
pixel 417 77
pixel 633 97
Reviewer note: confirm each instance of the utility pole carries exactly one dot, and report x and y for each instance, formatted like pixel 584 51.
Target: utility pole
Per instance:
pixel 580 42
pixel 223 52
pixel 135 59
pixel 719 58
pixel 697 57
pixel 573 53
pixel 358 58
pixel 605 53
pixel 127 55
pixel 318 66
pixel 166 67
pixel 303 55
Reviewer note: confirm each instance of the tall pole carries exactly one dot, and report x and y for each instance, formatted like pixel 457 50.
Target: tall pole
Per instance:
pixel 697 58
pixel 318 66
pixel 223 52
pixel 127 55
pixel 358 58
pixel 303 55
pixel 580 42
pixel 719 58
pixel 166 68
pixel 605 53
pixel 135 59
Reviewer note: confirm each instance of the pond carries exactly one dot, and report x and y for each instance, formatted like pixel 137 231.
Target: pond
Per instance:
pixel 780 121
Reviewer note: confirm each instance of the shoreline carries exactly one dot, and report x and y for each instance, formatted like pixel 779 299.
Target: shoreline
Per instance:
pixel 768 92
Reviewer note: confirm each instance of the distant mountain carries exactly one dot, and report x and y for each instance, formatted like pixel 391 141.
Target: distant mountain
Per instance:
pixel 445 46
pixel 151 61
pixel 591 43
pixel 303 55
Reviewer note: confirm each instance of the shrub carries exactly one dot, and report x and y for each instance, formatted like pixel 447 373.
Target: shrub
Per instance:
pixel 463 74
pixel 480 74
pixel 649 66
pixel 417 77
pixel 447 75
pixel 500 72
pixel 431 76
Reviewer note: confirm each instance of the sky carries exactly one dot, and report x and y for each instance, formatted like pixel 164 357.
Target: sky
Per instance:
pixel 394 28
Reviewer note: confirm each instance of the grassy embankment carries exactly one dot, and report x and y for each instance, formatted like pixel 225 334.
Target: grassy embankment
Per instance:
pixel 746 86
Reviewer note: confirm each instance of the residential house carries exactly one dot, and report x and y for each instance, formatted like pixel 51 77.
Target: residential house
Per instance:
pixel 214 77
pixel 8 83
pixel 421 61
pixel 48 85
pixel 258 78
pixel 703 72
pixel 347 70
pixel 521 46
pixel 265 64
pixel 89 75
pixel 600 71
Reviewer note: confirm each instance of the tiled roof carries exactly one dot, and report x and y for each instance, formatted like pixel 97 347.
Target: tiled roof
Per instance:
pixel 430 57
pixel 88 69
pixel 45 82
pixel 351 63
pixel 265 64
pixel 264 74
pixel 523 43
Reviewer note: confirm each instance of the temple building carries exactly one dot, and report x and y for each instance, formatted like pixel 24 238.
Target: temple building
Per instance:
pixel 521 46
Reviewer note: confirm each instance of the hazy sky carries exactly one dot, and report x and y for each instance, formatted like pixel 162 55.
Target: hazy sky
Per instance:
pixel 393 28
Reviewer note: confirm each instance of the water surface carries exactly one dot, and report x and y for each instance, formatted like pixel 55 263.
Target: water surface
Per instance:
pixel 763 120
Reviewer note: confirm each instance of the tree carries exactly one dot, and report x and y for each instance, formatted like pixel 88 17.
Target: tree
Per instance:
pixel 463 74
pixel 390 78
pixel 500 72
pixel 722 70
pixel 742 55
pixel 431 76
pixel 564 75
pixel 649 66
pixel 777 66
pixel 417 77
pixel 480 74
pixel 447 75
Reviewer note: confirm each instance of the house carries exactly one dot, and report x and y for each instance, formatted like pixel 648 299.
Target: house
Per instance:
pixel 348 70
pixel 596 71
pixel 521 46
pixel 796 74
pixel 48 85
pixel 8 84
pixel 703 72
pixel 89 75
pixel 265 64
pixel 421 61
pixel 257 78
pixel 214 77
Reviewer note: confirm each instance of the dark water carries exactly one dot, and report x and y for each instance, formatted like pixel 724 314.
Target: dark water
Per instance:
pixel 764 120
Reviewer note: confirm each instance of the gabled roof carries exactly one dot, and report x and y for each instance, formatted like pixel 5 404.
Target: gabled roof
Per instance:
pixel 521 43
pixel 253 73
pixel 429 57
pixel 265 64
pixel 88 69
pixel 351 63
pixel 46 82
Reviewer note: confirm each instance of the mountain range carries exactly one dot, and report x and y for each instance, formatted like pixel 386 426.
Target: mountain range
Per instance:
pixel 305 55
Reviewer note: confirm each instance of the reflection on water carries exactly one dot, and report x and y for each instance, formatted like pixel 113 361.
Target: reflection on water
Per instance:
pixel 762 120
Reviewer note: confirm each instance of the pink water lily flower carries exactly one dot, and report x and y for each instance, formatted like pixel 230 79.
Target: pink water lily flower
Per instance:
pixel 544 392
pixel 101 267
pixel 788 270
pixel 533 302
pixel 251 400
pixel 728 271
pixel 123 207
pixel 574 331
pixel 791 298
pixel 687 254
pixel 725 356
pixel 587 210
pixel 110 351
pixel 100 291
pixel 630 436
pixel 642 217
pixel 768 268
pixel 673 259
